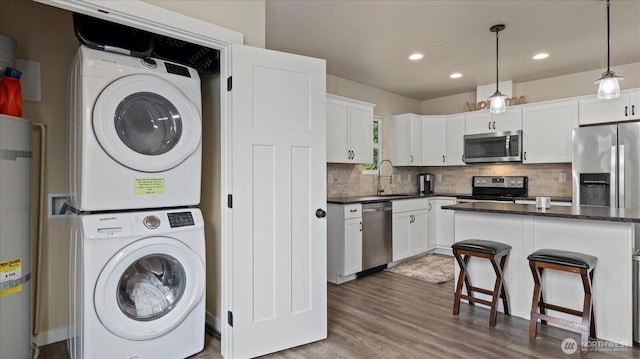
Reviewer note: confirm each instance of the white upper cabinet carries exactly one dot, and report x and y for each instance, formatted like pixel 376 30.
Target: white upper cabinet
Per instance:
pixel 624 108
pixel 484 121
pixel 434 147
pixel 455 140
pixel 407 140
pixel 349 130
pixel 547 131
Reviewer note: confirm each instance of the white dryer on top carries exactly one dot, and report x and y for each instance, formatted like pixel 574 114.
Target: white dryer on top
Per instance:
pixel 135 133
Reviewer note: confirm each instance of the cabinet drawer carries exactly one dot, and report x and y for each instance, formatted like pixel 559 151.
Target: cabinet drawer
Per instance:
pixel 405 205
pixel 352 211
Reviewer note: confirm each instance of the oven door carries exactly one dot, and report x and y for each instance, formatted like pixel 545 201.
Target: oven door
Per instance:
pixel 493 147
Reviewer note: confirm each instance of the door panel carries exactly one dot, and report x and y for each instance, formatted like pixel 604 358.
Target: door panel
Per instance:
pixel 629 148
pixel 278 274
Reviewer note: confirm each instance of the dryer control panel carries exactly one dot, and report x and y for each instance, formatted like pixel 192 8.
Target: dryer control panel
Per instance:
pixel 180 219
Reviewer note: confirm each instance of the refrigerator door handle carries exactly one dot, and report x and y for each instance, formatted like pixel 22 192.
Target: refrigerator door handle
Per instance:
pixel 613 192
pixel 621 177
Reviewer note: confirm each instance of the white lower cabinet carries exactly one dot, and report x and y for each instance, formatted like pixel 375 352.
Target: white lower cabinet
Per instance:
pixel 344 242
pixel 441 224
pixel 410 222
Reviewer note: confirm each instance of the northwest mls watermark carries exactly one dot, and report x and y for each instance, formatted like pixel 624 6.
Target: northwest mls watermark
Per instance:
pixel 570 346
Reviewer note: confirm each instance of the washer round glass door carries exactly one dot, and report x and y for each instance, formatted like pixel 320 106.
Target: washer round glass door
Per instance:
pixel 148 288
pixel 145 123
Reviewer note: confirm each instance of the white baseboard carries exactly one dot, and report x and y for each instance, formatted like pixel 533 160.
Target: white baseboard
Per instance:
pixel 51 336
pixel 213 323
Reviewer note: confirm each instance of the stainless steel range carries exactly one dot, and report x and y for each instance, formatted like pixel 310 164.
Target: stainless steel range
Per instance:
pixel 497 188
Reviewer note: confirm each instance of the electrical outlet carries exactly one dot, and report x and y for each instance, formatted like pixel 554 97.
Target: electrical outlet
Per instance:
pixel 438 178
pixel 398 178
pixel 329 178
pixel 562 177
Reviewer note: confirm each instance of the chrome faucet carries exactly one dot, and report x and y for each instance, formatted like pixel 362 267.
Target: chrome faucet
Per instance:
pixel 379 190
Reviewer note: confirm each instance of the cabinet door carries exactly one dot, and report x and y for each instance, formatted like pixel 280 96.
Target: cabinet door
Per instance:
pixel 455 140
pixel 593 110
pixel 419 236
pixel 634 106
pixel 433 222
pixel 361 133
pixel 547 131
pixel 478 122
pixel 510 120
pixel 352 261
pixel 433 140
pixel 401 225
pixel 407 138
pixel 337 131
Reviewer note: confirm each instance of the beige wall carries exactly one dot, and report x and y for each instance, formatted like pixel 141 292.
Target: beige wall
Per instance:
pixel 572 85
pixel 246 17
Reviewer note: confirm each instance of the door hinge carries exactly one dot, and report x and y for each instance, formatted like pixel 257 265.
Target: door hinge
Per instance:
pixel 229 83
pixel 230 201
pixel 230 318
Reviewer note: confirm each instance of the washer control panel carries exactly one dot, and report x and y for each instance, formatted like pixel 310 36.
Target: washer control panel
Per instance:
pixel 180 219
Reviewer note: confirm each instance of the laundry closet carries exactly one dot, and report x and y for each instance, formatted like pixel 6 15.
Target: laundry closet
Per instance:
pixel 49 38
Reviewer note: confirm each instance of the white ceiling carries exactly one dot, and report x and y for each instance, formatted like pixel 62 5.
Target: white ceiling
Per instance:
pixel 368 41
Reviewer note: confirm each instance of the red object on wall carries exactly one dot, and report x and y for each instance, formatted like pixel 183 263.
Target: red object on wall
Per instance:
pixel 11 93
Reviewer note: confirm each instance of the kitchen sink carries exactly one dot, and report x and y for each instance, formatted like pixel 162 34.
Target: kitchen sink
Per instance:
pixel 384 197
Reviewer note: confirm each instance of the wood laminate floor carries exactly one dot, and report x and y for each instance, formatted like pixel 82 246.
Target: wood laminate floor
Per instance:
pixel 390 316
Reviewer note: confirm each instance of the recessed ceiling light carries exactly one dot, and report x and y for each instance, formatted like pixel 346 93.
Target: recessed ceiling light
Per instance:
pixel 540 56
pixel 416 56
pixel 455 75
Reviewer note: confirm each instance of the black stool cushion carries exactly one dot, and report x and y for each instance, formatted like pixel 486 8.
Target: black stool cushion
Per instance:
pixel 482 246
pixel 565 258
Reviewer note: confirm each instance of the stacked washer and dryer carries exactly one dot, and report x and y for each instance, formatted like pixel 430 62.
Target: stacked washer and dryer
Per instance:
pixel 137 262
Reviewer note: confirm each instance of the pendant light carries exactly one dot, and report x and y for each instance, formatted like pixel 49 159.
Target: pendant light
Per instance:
pixel 498 100
pixel 609 87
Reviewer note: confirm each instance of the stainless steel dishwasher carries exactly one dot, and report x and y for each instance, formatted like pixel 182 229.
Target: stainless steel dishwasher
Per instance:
pixel 376 236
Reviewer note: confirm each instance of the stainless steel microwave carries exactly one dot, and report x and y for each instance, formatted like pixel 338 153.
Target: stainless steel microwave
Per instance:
pixel 493 147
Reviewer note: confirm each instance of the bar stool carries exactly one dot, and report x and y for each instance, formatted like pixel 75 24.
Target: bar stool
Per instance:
pixel 494 251
pixel 565 261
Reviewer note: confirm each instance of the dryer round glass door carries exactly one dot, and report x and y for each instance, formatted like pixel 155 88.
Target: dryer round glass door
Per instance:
pixel 146 123
pixel 148 288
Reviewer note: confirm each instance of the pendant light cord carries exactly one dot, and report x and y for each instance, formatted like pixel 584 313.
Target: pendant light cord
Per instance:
pixel 497 90
pixel 608 40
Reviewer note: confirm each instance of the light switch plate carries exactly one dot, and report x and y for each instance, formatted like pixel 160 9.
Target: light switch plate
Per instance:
pixel 562 177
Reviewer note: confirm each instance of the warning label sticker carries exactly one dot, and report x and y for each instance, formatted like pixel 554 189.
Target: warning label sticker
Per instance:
pixel 149 186
pixel 10 270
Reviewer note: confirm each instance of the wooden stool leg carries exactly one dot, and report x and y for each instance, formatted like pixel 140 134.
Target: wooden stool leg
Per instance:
pixel 497 290
pixel 461 280
pixel 586 310
pixel 503 293
pixel 592 329
pixel 535 305
pixel 541 303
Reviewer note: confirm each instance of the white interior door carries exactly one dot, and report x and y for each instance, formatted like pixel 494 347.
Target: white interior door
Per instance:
pixel 278 261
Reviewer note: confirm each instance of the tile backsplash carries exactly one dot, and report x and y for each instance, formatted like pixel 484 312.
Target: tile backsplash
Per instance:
pixel 544 179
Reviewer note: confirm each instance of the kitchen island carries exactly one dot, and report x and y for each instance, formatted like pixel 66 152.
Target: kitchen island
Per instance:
pixel 607 233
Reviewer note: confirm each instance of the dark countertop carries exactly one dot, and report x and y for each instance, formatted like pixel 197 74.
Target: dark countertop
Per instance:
pixel 385 197
pixel 574 212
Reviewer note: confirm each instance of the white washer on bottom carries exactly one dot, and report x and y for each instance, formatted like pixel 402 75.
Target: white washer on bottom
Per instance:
pixel 137 283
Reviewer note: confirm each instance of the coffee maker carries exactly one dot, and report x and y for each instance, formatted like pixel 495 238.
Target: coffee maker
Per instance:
pixel 426 181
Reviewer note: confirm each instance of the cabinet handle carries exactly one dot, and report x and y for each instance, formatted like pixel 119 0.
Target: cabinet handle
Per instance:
pixel 411 159
pixel 494 125
pixel 489 125
pixel 462 158
pixel 525 155
pixel 361 226
pixel 353 154
pixel 633 110
pixel 626 111
pixel 430 206
pixel 442 158
pixel 353 210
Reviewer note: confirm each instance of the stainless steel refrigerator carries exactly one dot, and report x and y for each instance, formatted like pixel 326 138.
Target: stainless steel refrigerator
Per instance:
pixel 606 165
